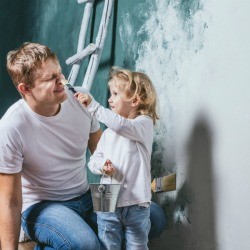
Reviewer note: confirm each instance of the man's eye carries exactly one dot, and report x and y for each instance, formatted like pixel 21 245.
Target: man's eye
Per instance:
pixel 49 78
pixel 53 77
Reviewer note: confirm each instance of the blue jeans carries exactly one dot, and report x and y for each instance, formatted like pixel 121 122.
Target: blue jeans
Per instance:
pixel 158 221
pixel 127 225
pixel 51 223
pixel 62 224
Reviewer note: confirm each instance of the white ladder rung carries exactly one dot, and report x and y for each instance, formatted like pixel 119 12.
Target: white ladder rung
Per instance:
pixel 84 1
pixel 84 53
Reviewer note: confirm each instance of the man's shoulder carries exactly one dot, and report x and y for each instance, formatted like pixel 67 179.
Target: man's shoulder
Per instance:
pixel 15 111
pixel 15 118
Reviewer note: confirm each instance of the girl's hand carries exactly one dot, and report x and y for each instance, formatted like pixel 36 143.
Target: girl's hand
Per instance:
pixel 84 99
pixel 108 168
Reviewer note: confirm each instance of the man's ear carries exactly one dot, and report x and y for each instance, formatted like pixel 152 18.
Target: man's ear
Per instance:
pixel 23 88
pixel 136 101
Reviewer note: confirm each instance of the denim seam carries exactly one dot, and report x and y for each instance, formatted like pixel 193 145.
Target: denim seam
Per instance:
pixel 54 230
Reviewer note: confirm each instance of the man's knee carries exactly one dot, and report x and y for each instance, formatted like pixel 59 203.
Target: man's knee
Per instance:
pixel 158 221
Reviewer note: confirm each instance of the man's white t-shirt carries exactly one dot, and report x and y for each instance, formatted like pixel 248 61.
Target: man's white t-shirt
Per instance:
pixel 50 152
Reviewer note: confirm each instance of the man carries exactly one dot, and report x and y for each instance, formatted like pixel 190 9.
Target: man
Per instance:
pixel 43 142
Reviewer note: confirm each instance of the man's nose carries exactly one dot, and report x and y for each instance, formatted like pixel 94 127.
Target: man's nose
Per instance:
pixel 60 78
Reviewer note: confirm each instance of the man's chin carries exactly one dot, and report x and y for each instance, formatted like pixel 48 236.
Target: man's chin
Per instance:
pixel 63 98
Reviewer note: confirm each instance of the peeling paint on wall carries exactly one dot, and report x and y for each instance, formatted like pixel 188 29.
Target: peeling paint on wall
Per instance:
pixel 171 35
pixel 175 32
pixel 172 32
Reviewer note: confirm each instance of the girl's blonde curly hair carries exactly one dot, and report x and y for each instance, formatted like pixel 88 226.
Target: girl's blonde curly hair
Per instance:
pixel 136 84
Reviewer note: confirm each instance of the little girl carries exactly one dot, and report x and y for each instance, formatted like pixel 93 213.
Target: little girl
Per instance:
pixel 124 152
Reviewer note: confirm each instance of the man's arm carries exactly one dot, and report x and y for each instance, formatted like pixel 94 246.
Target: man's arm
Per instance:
pixel 93 140
pixel 10 210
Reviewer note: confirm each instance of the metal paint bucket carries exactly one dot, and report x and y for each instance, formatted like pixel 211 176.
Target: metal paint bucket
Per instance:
pixel 104 196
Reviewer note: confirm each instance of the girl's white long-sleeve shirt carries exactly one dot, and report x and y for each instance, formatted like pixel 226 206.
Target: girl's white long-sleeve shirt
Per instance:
pixel 127 143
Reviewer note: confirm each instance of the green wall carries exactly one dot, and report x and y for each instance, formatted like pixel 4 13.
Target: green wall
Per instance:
pixel 57 24
pixel 12 31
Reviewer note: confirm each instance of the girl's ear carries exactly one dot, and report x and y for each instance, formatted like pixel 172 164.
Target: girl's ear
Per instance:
pixel 23 88
pixel 136 101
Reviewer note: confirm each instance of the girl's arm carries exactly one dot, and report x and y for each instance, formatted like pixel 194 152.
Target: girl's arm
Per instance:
pixel 135 129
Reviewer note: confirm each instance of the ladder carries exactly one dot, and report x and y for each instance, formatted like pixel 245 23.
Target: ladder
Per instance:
pixel 93 49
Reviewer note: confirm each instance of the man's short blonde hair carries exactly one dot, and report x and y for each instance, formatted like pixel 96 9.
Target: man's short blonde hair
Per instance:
pixel 23 62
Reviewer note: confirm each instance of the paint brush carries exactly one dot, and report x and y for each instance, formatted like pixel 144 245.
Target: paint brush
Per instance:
pixel 164 183
pixel 70 87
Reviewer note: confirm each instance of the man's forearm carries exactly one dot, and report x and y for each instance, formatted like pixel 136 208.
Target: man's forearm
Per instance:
pixel 10 223
pixel 93 140
pixel 10 210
